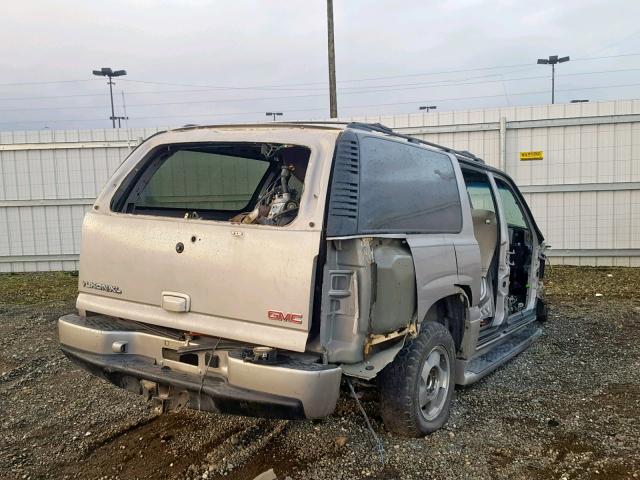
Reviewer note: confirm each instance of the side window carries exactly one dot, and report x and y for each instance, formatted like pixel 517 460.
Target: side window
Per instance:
pixel 512 210
pixel 406 188
pixel 479 192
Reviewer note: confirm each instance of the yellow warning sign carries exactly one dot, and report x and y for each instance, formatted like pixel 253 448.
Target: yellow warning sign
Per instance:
pixel 531 155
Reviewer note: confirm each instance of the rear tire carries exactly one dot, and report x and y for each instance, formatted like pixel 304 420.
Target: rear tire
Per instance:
pixel 417 387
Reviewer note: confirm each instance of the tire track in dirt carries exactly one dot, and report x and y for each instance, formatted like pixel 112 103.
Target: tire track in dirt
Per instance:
pixel 159 447
pixel 270 444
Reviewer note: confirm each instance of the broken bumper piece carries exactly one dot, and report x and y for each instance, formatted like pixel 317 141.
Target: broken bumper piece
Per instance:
pixel 214 395
pixel 290 390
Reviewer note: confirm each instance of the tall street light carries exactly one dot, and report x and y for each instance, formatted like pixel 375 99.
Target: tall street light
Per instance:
pixel 552 60
pixel 107 72
pixel 427 108
pixel 273 114
pixel 120 118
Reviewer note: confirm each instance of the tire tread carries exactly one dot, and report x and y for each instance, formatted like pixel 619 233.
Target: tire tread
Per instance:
pixel 396 383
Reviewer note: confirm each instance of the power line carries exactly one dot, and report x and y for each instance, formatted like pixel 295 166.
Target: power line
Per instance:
pixel 437 84
pixel 281 86
pixel 150 82
pixel 20 84
pixel 538 92
pixel 261 112
pixel 485 68
pixel 207 89
pixel 379 88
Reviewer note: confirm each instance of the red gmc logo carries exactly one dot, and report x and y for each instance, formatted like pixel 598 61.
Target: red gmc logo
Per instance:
pixel 284 317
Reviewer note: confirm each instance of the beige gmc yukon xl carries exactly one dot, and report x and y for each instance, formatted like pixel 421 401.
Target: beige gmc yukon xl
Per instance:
pixel 250 269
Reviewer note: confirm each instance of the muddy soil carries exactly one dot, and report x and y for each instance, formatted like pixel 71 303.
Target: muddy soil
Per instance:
pixel 566 408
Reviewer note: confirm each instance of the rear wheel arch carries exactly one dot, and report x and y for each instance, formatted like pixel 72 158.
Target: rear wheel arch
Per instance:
pixel 450 311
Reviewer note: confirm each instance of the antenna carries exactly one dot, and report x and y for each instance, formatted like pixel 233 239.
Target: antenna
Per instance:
pixel 126 120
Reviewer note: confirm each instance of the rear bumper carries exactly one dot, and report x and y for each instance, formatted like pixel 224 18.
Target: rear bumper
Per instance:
pixel 285 390
pixel 126 371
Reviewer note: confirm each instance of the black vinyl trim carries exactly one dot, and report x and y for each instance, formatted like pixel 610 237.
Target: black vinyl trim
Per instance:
pixel 344 192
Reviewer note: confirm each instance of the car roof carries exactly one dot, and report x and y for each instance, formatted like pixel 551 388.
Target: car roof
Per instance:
pixel 238 126
pixel 374 128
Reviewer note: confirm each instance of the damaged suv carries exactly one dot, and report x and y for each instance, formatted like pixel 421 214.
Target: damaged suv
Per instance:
pixel 249 269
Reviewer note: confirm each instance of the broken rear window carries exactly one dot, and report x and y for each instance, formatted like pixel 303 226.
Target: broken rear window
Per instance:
pixel 239 182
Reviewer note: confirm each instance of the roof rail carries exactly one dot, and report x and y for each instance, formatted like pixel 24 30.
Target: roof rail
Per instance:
pixel 313 122
pixel 378 127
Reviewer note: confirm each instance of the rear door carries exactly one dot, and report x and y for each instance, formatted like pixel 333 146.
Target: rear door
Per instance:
pixel 174 259
pixel 524 248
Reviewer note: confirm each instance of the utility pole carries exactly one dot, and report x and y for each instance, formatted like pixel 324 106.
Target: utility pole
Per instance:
pixel 552 60
pixel 333 100
pixel 107 72
pixel 126 120
pixel 427 107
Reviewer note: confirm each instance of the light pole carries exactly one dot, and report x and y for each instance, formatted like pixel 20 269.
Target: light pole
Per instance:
pixel 552 60
pixel 427 108
pixel 107 72
pixel 273 114
pixel 119 119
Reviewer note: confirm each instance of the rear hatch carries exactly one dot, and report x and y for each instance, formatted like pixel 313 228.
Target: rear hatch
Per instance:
pixel 212 232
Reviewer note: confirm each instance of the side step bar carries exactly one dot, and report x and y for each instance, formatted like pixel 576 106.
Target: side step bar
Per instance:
pixel 472 370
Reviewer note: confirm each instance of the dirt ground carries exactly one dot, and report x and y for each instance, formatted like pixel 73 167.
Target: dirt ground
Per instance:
pixel 569 407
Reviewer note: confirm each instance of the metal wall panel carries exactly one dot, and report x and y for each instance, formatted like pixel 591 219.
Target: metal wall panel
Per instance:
pixel 48 180
pixel 585 194
pixel 591 150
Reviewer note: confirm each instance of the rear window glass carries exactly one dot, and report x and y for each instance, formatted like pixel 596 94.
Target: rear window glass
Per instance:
pixel 405 188
pixel 200 180
pixel 259 183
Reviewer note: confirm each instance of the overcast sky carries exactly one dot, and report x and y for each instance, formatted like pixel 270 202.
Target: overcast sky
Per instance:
pixel 205 61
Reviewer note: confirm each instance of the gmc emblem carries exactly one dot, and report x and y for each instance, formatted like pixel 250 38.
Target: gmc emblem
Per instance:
pixel 284 317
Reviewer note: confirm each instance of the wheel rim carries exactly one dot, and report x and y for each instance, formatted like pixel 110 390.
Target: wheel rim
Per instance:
pixel 433 385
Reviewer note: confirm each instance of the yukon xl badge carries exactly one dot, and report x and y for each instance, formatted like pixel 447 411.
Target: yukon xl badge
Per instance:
pixel 102 287
pixel 284 316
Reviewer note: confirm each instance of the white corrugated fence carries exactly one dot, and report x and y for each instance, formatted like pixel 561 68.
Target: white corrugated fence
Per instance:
pixel 585 192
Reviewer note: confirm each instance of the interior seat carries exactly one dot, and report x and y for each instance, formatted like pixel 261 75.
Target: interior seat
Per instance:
pixel 485 227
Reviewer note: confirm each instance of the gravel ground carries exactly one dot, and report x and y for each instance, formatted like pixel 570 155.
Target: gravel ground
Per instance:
pixel 566 408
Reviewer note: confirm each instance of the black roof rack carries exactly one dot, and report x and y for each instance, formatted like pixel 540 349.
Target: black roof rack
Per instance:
pixel 314 122
pixel 378 127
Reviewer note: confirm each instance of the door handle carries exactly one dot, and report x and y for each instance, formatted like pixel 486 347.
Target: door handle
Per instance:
pixel 176 302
